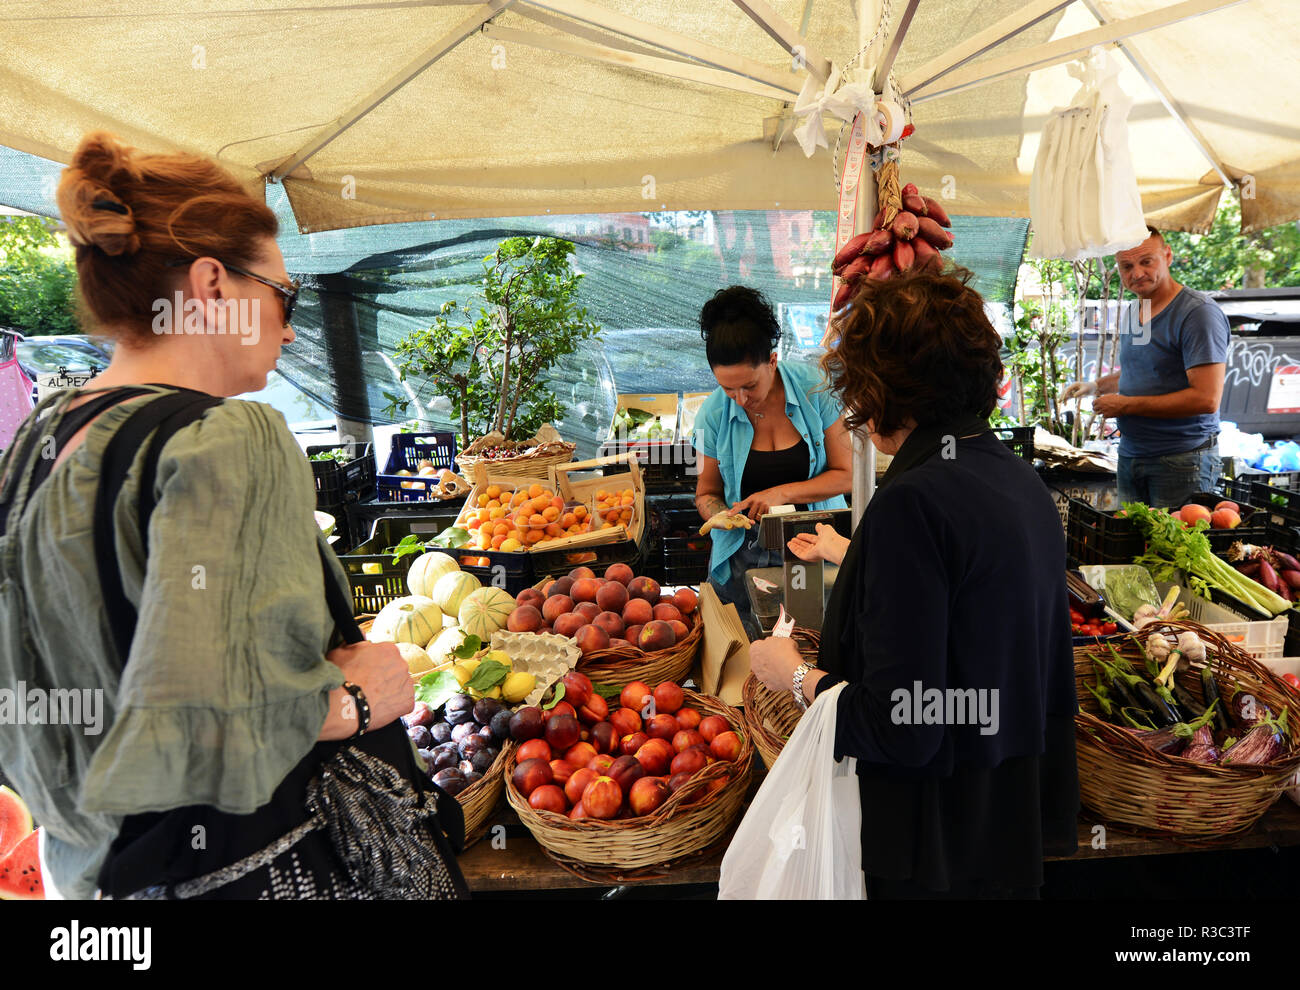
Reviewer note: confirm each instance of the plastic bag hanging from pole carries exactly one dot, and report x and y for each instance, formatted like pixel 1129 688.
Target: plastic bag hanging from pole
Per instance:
pixel 1083 194
pixel 801 838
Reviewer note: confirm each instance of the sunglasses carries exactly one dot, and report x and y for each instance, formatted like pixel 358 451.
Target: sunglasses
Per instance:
pixel 288 293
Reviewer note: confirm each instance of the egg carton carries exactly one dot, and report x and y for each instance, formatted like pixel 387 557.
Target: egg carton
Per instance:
pixel 546 656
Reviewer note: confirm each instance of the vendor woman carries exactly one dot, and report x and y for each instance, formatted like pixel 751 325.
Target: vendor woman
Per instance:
pixel 770 434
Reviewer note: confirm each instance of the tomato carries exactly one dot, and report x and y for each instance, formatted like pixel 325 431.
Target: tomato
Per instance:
pixel 1109 628
pixel 1292 680
pixel 1076 617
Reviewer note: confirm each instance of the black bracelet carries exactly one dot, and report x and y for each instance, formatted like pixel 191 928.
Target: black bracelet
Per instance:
pixel 362 706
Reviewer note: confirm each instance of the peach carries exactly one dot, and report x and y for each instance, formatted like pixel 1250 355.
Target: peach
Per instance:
pixel 561 771
pixel 684 739
pixel 668 697
pixel 680 630
pixel 612 597
pixel 589 640
pixel 1225 519
pixel 631 634
pixel 560 586
pixel 665 612
pixel 1225 504
pixel 548 797
pixel 647 589
pixel 584 589
pixel 580 754
pixel 713 725
pixel 611 622
pixel 691 760
pixel 638 612
pixel 603 798
pixel 1193 513
pixel 656 635
pixel 530 596
pixel 588 610
pixel 633 696
pixel 577 688
pixel 530 775
pixel 556 606
pixel 620 573
pixel 578 783
pixel 570 624
pixel 686 600
pixel 625 721
pixel 535 749
pixel 524 618
pixel 725 746
pixel 578 573
pixel 688 718
pixel 647 794
pixel 630 743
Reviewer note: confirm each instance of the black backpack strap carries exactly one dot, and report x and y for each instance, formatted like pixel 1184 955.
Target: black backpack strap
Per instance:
pixel 162 417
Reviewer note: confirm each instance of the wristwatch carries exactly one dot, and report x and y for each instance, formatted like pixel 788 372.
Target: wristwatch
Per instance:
pixel 800 673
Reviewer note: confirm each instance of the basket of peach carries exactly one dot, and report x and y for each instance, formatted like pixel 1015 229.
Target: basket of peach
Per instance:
pixel 620 790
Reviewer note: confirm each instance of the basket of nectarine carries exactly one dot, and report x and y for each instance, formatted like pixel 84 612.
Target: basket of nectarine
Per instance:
pixel 771 716
pixel 659 777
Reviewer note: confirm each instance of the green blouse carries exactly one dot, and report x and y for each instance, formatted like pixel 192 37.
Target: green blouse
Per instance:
pixel 227 685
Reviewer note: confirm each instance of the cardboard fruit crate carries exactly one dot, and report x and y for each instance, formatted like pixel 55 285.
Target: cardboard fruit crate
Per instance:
pixel 585 489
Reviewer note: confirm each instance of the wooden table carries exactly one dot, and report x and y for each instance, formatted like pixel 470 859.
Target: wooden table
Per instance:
pixel 521 865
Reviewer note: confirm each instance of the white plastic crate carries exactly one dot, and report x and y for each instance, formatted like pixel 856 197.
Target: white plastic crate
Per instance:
pixel 1263 639
pixel 1280 666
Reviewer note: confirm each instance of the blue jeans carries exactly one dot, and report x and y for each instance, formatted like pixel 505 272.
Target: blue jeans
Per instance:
pixel 749 556
pixel 1165 482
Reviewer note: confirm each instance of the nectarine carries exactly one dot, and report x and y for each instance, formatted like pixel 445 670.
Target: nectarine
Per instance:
pixel 647 794
pixel 602 798
pixel 577 688
pixel 530 775
pixel 580 754
pixel 577 783
pixel 725 746
pixel 625 721
pixel 713 725
pixel 535 749
pixel 653 758
pixel 630 743
pixel 562 731
pixel 548 797
pixel 626 771
pixel 561 771
pixel 633 696
pixel 691 760
pixel 668 697
pixel 688 718
pixel 686 738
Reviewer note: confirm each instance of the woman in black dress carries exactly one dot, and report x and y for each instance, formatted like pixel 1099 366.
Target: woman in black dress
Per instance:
pixel 949 619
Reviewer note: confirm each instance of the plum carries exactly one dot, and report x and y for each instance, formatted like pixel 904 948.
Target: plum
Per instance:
pixel 485 731
pixel 485 708
pixel 452 781
pixel 441 732
pixel 500 725
pixel 527 723
pixel 463 731
pixel 421 715
pixel 421 737
pixel 460 709
pixel 445 756
pixel 481 760
pixel 427 756
pixel 471 745
pixel 465 766
pixel 472 778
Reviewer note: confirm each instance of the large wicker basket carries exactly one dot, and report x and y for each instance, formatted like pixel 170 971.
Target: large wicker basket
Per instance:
pixel 1131 785
pixel 688 824
pixel 621 664
pixel 534 457
pixel 771 716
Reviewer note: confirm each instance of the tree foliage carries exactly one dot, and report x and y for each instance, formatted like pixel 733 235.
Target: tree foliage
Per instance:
pixel 490 361
pixel 37 285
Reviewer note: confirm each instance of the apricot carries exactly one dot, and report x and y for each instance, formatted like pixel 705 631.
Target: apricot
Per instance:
pixel 525 618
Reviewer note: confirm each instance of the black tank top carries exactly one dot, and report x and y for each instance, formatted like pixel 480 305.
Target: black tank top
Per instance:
pixel 769 468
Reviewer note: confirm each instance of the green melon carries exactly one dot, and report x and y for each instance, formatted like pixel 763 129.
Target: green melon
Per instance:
pixel 405 620
pixel 20 871
pixel 452 589
pixel 427 569
pixel 485 611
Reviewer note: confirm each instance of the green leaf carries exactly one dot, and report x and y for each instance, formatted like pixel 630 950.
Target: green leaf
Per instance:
pixel 607 691
pixel 408 545
pixel 452 538
pixel 556 697
pixel 488 675
pixel 436 687
pixel 468 648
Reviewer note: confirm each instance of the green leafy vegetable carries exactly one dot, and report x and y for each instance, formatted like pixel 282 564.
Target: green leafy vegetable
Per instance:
pixel 487 675
pixel 436 687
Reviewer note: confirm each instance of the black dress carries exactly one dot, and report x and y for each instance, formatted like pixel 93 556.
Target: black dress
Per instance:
pixel 953 587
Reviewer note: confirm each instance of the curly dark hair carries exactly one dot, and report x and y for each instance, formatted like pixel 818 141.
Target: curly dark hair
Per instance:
pixel 738 327
pixel 917 346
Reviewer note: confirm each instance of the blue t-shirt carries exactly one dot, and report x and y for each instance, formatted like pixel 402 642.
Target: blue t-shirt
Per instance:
pixel 723 432
pixel 1153 360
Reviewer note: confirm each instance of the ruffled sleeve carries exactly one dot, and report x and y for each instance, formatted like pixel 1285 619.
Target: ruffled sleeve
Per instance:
pixel 227 685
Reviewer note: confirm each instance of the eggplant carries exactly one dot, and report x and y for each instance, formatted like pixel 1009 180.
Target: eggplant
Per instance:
pixel 1267 576
pixel 1150 697
pixel 1110 676
pixel 1210 687
pixel 1185 700
pixel 1247 710
pixel 1264 743
pixel 1201 754
pixel 1173 739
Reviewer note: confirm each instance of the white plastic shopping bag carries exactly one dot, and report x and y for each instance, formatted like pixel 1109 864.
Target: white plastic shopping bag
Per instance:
pixel 801 837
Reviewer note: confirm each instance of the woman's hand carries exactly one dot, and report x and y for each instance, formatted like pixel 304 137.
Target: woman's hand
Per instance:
pixel 379 670
pixel 826 544
pixel 760 503
pixel 774 661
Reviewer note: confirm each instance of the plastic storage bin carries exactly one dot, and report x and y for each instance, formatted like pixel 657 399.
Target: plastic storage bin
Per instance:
pixel 338 484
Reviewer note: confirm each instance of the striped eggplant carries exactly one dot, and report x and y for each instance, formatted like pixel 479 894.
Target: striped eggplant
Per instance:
pixel 1262 744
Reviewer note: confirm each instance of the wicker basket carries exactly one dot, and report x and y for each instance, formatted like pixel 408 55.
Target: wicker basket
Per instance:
pixel 1131 785
pixel 536 455
pixel 688 824
pixel 770 716
pixel 619 665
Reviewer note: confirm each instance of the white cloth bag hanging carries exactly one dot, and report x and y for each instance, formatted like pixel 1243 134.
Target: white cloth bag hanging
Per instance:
pixel 801 838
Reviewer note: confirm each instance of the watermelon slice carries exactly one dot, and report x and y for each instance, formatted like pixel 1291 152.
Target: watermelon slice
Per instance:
pixel 20 872
pixel 15 821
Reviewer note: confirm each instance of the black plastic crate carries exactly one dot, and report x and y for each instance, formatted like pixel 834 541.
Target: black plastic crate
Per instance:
pixel 686 574
pixel 667 467
pixel 676 520
pixel 362 515
pixel 512 572
pixel 337 484
pixel 1282 504
pixel 1096 537
pixel 386 580
pixel 1019 438
pixel 406 453
pixel 559 562
pixel 343 529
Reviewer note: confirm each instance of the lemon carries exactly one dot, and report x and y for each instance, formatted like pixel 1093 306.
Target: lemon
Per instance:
pixel 461 674
pixel 472 664
pixel 518 686
pixel 494 693
pixel 501 657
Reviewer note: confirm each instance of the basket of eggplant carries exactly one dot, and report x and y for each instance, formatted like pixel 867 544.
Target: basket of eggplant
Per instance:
pixel 1181 732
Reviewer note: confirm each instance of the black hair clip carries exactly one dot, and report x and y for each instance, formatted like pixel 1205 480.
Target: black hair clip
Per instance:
pixel 108 204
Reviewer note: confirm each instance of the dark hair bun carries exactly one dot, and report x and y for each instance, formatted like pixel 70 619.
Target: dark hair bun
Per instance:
pixel 94 195
pixel 738 326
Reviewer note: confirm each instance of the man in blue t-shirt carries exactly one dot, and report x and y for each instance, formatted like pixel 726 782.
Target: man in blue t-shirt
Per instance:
pixel 1165 397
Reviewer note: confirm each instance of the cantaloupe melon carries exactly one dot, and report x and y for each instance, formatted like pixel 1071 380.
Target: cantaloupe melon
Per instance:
pixel 413 619
pixel 485 611
pixel 417 660
pixel 449 639
pixel 452 589
pixel 427 569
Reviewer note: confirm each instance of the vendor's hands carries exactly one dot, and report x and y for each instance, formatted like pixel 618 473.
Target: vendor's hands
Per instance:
pixel 1112 404
pixel 760 503
pixel 379 670
pixel 825 544
pixel 1076 390
pixel 774 661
